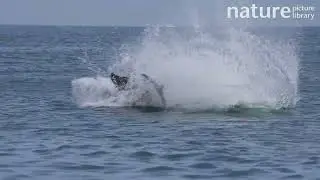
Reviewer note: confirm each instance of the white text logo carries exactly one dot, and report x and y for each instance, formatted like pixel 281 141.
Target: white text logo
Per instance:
pixel 253 11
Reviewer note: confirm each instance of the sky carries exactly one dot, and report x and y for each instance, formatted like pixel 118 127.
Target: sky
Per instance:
pixel 122 12
pixel 91 12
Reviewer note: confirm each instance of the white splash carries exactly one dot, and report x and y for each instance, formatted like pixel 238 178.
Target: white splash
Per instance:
pixel 204 70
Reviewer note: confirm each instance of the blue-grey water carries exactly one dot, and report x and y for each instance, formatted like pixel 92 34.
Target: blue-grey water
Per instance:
pixel 44 134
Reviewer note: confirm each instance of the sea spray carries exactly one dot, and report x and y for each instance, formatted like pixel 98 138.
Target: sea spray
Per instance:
pixel 215 69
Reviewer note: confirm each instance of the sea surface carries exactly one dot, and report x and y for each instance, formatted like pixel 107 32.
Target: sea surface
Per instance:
pixel 45 133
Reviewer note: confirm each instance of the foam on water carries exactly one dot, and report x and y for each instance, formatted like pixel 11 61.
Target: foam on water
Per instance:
pixel 205 70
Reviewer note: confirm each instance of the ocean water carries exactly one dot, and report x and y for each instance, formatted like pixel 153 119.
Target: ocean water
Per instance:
pixel 241 104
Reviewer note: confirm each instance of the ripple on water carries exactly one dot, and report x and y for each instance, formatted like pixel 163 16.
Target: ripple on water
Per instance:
pixel 143 155
pixel 312 161
pixel 95 154
pixel 43 151
pixel 180 156
pixel 79 167
pixel 78 147
pixel 231 173
pixel 230 159
pixel 19 176
pixel 296 176
pixel 196 176
pixel 284 170
pixel 6 154
pixel 160 169
pixel 202 166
